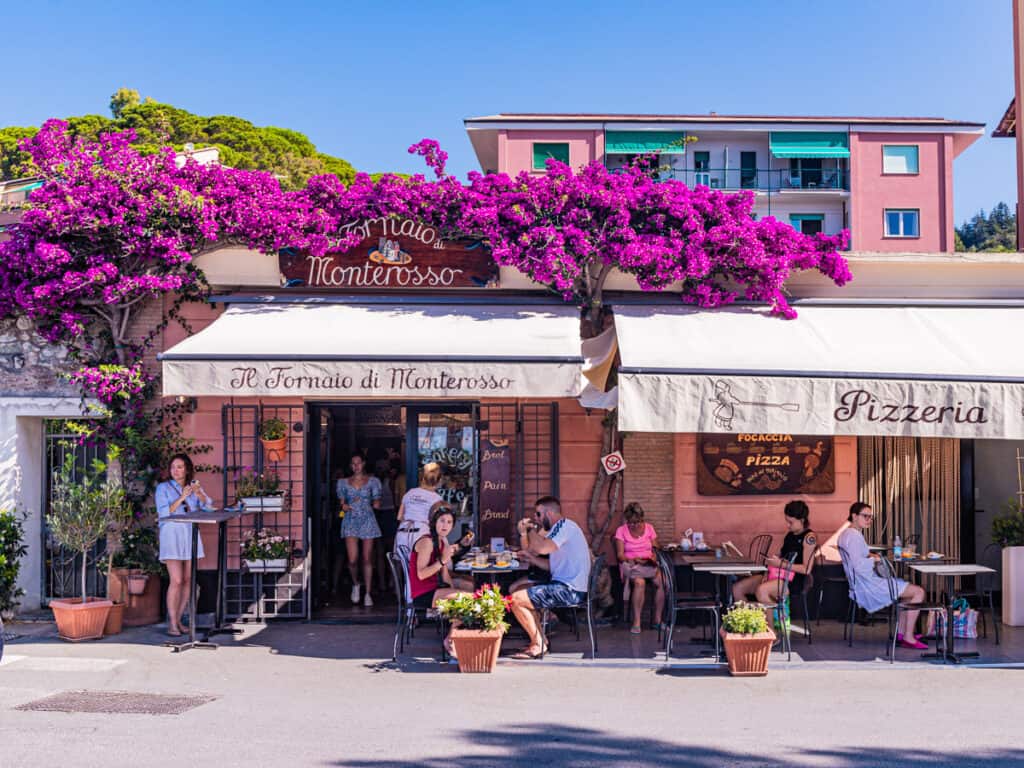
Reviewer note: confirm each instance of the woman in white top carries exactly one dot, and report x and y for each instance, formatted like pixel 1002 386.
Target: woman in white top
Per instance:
pixel 414 511
pixel 178 496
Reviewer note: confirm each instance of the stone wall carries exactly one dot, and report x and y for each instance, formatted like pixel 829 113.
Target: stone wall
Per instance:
pixel 30 366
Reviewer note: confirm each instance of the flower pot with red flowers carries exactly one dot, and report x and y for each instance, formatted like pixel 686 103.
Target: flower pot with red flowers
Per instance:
pixel 274 437
pixel 478 624
pixel 748 640
pixel 84 507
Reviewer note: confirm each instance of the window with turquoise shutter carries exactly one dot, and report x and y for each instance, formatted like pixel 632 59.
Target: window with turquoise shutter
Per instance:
pixel 543 150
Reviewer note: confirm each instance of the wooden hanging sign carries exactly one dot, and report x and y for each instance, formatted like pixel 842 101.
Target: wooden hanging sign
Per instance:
pixel 394 253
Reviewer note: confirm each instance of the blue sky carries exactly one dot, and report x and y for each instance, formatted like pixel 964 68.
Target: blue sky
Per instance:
pixel 365 80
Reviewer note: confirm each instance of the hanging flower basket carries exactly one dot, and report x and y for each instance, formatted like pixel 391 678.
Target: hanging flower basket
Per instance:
pixel 263 503
pixel 275 450
pixel 274 436
pixel 136 583
pixel 279 565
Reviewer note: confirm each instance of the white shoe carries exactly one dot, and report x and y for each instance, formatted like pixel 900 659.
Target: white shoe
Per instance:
pixel 355 594
pixel 367 600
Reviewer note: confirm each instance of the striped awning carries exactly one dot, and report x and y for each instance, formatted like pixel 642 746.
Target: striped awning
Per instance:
pixel 806 144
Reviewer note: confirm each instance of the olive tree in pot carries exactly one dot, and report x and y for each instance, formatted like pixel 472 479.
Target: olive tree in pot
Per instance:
pixel 84 507
pixel 1008 533
pixel 747 640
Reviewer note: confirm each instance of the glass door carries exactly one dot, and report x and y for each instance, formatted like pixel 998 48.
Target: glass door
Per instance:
pixel 446 435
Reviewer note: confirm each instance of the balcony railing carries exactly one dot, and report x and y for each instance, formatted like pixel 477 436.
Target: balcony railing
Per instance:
pixel 761 179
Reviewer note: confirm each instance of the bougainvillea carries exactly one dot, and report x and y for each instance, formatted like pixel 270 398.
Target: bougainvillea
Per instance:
pixel 111 228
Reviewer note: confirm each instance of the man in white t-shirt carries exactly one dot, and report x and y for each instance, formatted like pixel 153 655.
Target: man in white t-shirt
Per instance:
pixel 551 534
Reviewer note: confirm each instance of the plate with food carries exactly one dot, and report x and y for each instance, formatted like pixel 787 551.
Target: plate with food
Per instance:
pixel 935 555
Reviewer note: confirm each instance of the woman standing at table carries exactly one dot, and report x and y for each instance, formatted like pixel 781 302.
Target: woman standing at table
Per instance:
pixel 871 591
pixel 180 495
pixel 360 496
pixel 635 542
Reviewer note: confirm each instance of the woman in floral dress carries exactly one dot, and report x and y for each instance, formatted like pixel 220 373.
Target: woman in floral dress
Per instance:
pixel 359 495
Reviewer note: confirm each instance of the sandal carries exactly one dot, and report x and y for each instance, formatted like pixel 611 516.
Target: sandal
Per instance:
pixel 524 655
pixel 174 632
pixel 635 631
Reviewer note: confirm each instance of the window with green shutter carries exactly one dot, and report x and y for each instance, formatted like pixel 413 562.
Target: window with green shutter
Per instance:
pixel 543 150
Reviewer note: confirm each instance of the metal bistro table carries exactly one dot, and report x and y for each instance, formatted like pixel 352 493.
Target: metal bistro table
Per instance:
pixel 729 571
pixel 220 518
pixel 490 570
pixel 950 571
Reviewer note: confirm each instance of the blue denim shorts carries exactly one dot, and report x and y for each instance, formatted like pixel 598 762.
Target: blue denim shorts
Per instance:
pixel 554 594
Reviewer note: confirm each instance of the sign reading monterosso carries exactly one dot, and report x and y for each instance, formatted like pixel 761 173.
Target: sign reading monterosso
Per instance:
pixel 394 253
pixel 817 406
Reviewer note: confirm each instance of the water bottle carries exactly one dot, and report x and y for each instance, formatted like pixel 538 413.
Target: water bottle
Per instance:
pixel 897 548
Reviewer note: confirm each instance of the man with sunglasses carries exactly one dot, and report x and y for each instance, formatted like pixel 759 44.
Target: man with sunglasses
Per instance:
pixel 562 541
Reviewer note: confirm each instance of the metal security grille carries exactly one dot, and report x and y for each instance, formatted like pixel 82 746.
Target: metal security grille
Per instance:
pixel 271 595
pixel 531 429
pixel 62 568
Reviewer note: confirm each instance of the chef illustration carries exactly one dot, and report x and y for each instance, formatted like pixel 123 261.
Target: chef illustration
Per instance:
pixel 725 411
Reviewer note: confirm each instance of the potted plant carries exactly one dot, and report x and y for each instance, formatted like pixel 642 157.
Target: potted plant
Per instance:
pixel 274 436
pixel 264 551
pixel 134 575
pixel 747 640
pixel 478 624
pixel 12 549
pixel 260 492
pixel 82 511
pixel 1008 533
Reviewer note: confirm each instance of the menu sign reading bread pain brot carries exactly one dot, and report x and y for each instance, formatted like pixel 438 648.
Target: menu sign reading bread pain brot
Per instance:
pixel 752 464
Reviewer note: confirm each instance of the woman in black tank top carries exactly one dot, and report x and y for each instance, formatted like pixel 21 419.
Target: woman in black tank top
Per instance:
pixel 797 547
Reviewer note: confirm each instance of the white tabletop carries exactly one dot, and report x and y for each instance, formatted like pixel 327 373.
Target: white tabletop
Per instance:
pixel 726 568
pixel 951 569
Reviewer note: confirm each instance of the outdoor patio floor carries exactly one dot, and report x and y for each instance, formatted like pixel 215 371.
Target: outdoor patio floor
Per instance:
pixel 372 641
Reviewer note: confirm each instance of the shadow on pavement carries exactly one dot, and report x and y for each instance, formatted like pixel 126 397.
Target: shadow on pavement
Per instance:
pixel 556 745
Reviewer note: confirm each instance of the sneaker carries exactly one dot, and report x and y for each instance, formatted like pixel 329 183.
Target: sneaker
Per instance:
pixel 355 594
pixel 367 601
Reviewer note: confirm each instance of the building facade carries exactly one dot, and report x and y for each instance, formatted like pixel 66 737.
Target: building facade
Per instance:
pixel 888 180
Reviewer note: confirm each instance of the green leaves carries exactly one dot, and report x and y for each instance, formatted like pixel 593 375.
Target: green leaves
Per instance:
pixel 745 619
pixel 1008 528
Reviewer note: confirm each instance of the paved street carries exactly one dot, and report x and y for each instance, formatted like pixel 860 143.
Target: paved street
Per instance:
pixel 318 695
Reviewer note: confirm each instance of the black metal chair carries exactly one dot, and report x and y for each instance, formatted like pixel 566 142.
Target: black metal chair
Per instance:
pixel 587 604
pixel 758 549
pixel 681 602
pixel 778 608
pixel 408 613
pixel 984 591
pixel 899 606
pixel 823 582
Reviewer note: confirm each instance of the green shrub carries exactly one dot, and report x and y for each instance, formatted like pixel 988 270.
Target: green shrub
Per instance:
pixel 273 429
pixel 1008 528
pixel 744 619
pixel 12 549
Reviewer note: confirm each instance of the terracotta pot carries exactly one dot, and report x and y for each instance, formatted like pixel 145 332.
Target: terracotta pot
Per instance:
pixel 276 450
pixel 114 620
pixel 137 583
pixel 139 610
pixel 748 654
pixel 80 621
pixel 477 649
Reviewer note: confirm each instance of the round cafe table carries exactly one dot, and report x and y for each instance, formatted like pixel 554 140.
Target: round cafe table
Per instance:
pixel 491 573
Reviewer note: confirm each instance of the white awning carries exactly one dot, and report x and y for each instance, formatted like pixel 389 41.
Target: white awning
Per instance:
pixel 313 349
pixel 943 371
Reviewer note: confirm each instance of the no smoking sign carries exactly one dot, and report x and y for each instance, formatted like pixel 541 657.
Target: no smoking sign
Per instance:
pixel 613 462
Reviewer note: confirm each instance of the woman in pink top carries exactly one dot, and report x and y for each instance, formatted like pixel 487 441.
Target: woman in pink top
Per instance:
pixel 634 546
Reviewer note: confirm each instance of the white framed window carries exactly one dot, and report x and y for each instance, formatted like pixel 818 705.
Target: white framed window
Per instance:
pixel 902 222
pixel 899 159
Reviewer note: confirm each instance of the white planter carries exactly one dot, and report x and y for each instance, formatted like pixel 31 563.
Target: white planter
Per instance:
pixel 263 503
pixel 267 566
pixel 1013 586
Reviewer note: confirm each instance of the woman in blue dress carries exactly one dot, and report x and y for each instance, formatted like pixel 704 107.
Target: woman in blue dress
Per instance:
pixel 180 495
pixel 359 495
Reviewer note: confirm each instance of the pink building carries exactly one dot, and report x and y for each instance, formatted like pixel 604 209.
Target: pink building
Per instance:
pixel 889 180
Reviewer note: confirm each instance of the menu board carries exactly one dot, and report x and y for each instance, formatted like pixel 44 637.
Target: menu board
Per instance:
pixel 495 491
pixel 754 464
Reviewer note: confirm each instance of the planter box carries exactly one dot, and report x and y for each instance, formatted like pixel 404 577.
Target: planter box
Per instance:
pixel 80 621
pixel 477 649
pixel 267 566
pixel 748 654
pixel 115 619
pixel 263 503
pixel 139 610
pixel 1013 586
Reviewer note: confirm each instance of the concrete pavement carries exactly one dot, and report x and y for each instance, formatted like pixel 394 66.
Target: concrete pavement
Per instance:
pixel 319 695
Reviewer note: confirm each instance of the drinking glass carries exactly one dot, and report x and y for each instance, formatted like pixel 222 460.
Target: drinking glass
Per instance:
pixel 480 559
